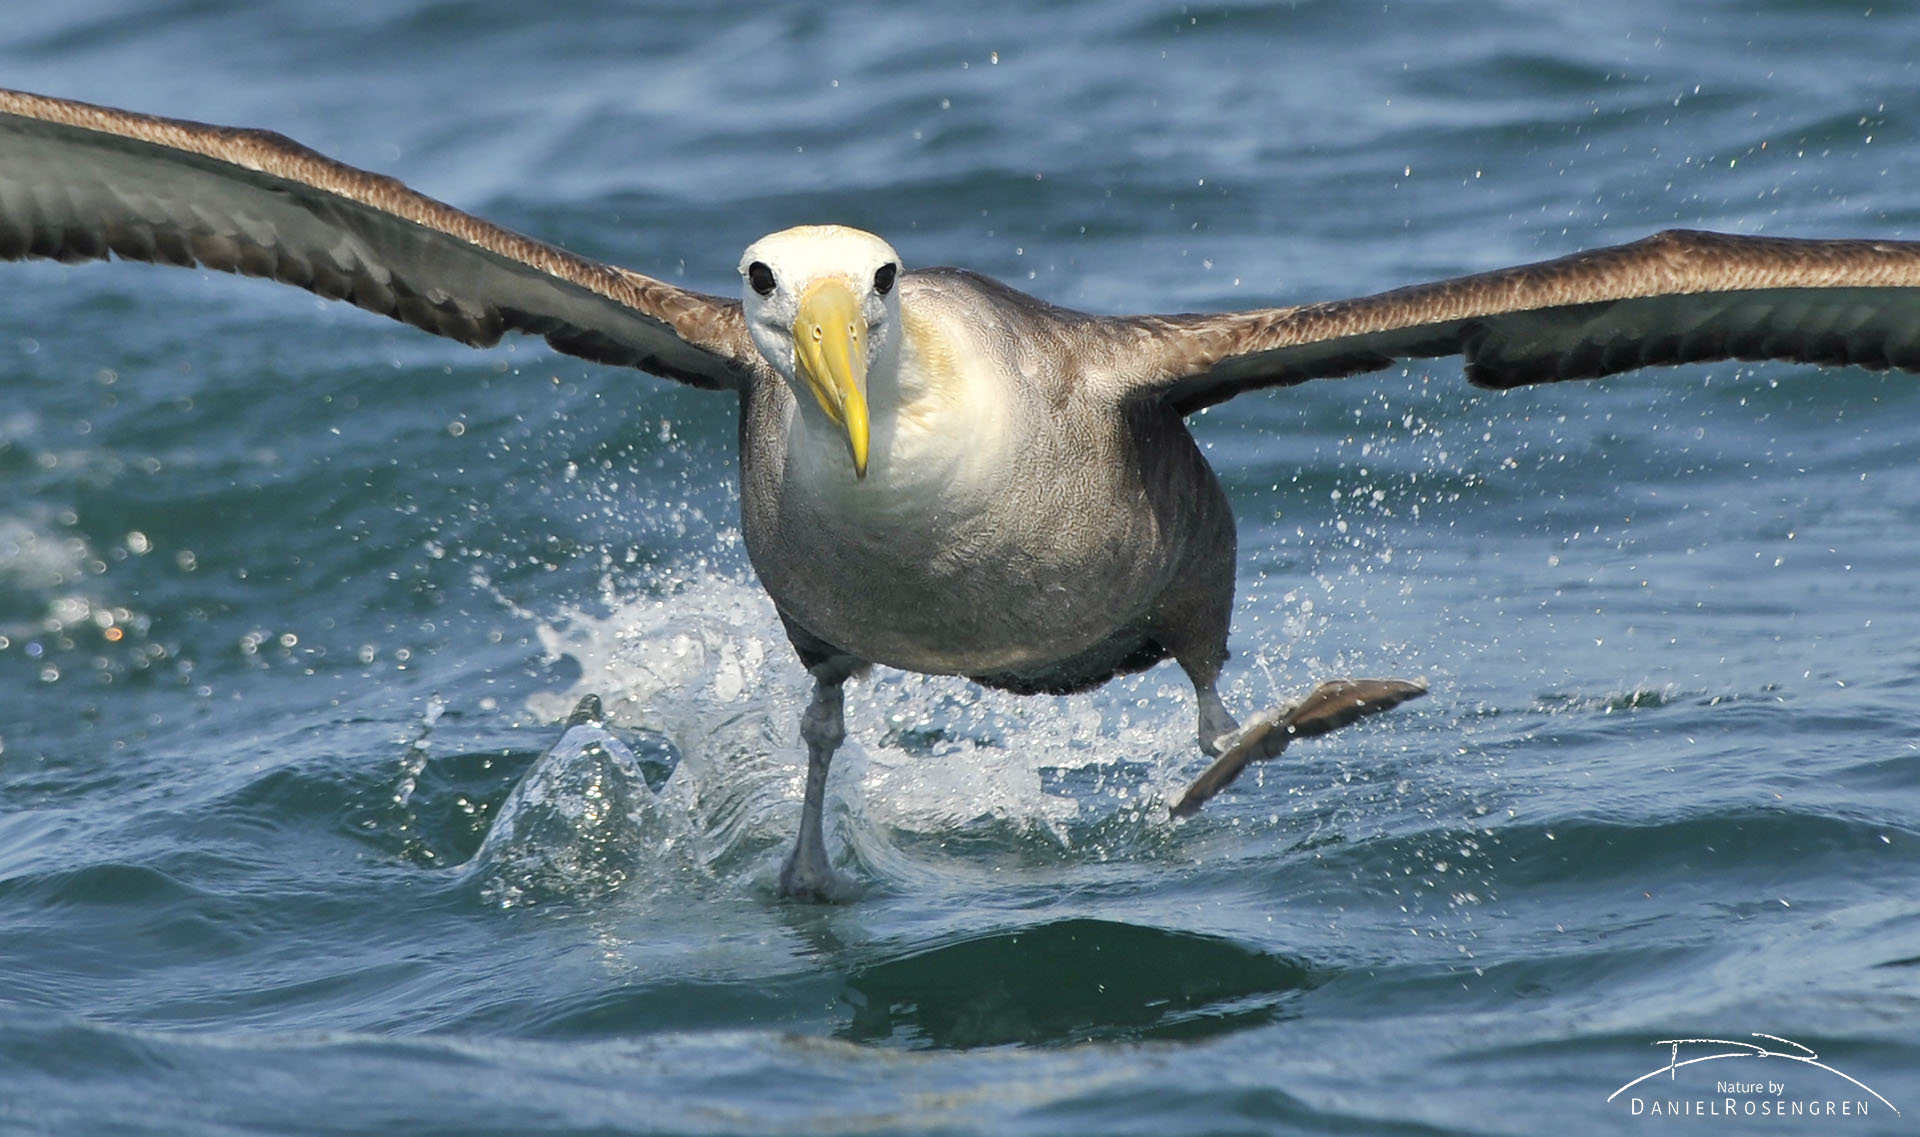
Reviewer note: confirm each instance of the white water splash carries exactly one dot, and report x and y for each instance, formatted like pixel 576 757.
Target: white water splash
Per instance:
pixel 708 667
pixel 581 824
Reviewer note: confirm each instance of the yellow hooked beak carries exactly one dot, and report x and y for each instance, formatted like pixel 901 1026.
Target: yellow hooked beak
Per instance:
pixel 830 338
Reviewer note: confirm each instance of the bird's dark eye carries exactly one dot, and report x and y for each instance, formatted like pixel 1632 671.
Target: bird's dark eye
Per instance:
pixel 761 277
pixel 883 277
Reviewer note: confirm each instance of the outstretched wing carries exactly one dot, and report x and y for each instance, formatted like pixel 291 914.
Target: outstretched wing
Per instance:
pixel 81 182
pixel 1676 297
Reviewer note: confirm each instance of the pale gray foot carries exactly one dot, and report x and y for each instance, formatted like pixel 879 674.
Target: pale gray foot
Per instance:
pixel 1329 706
pixel 808 875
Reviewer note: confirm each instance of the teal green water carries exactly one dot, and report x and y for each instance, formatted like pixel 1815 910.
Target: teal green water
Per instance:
pixel 292 600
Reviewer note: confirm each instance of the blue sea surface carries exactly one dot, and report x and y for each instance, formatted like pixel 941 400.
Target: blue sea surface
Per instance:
pixel 294 604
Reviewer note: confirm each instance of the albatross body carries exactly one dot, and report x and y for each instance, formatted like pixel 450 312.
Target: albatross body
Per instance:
pixel 939 473
pixel 1014 523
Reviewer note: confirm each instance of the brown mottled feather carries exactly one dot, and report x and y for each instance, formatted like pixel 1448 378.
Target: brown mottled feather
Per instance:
pixel 82 182
pixel 1677 297
pixel 75 185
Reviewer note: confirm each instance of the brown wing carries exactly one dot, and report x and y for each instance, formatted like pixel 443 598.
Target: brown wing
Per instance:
pixel 80 182
pixel 1676 297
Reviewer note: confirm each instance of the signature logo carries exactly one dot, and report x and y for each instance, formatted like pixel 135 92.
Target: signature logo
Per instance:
pixel 1761 1097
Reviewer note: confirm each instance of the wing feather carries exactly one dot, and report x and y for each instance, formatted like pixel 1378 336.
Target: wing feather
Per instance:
pixel 80 182
pixel 1677 297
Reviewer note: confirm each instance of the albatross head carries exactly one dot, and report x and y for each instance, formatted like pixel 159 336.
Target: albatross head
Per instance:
pixel 823 310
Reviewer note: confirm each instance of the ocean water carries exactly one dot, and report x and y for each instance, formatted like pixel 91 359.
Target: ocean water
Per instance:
pixel 294 603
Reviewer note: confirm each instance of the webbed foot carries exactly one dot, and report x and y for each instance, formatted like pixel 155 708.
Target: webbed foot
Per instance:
pixel 1330 706
pixel 814 881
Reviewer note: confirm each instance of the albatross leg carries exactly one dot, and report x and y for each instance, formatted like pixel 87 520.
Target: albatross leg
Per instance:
pixel 1217 724
pixel 1193 622
pixel 807 874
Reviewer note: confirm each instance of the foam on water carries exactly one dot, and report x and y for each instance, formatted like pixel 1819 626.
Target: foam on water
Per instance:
pixel 941 784
pixel 926 756
pixel 577 826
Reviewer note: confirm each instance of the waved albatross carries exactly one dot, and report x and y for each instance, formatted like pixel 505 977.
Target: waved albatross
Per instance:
pixel 939 473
